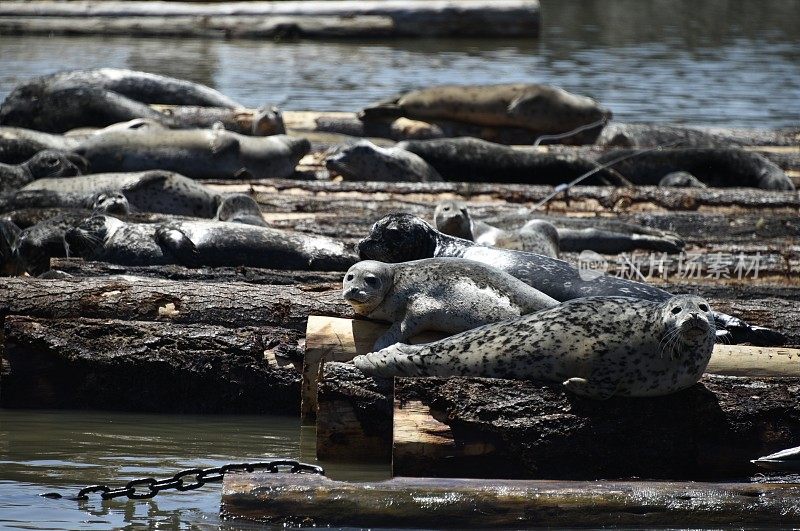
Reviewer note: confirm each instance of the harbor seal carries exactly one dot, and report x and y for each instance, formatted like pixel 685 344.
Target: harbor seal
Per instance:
pixel 18 144
pixel 439 294
pixel 364 161
pixel 543 108
pixel 474 160
pixel 197 153
pixel 537 236
pixel 681 179
pixel 46 163
pixel 114 203
pixel 204 243
pixel 598 347
pixel 650 135
pixel 719 167
pixel 404 237
pixel 240 208
pixel 151 191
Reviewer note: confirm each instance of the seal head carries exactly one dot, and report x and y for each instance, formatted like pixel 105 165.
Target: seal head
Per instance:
pixel 398 238
pixel 687 321
pixel 365 285
pixel 114 203
pixel 88 238
pixel 240 208
pixel 364 161
pixel 452 217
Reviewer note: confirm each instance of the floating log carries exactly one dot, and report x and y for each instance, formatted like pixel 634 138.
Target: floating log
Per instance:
pixel 307 500
pixel 390 18
pixel 149 366
pixel 178 302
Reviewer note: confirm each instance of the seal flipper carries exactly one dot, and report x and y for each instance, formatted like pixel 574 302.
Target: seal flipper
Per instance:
pixel 396 360
pixel 399 332
pixel 221 143
pixel 742 332
pixel 176 243
pixel 596 390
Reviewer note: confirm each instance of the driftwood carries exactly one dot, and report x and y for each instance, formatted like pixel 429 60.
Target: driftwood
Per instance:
pixel 180 302
pixel 278 19
pixel 305 500
pixel 149 366
pixel 480 427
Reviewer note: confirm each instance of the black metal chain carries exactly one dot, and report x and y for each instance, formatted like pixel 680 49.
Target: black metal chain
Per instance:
pixel 200 476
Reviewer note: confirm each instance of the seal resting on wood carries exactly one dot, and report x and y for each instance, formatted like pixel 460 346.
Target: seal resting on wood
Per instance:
pixel 597 347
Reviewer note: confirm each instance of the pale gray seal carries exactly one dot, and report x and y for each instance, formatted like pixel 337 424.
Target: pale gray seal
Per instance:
pixel 440 294
pixel 240 208
pixel 542 237
pixel 404 237
pixel 598 347
pixel 114 203
pixel 681 179
pixel 151 191
pixel 542 108
pixel 46 163
pixel 197 153
pixel 18 144
pixel 364 161
pixel 204 243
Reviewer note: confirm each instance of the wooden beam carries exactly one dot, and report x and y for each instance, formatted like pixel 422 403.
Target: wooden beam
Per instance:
pixel 313 500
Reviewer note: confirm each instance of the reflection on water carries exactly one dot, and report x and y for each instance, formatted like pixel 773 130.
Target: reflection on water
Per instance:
pixel 720 62
pixel 62 451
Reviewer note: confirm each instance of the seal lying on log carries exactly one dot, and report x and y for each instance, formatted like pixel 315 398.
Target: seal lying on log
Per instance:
pixel 404 237
pixel 18 144
pixel 150 191
pixel 474 160
pixel 681 179
pixel 445 295
pixel 720 167
pixel 364 161
pixel 46 163
pixel 197 153
pixel 597 347
pixel 542 108
pixel 541 237
pixel 204 243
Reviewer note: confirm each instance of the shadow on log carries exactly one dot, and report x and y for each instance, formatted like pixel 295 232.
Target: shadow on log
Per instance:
pixel 147 366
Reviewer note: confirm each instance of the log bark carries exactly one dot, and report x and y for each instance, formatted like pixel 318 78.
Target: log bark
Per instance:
pixel 312 500
pixel 505 428
pixel 179 302
pixel 149 366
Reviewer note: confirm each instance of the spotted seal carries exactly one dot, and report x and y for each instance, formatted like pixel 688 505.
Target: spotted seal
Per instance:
pixel 404 237
pixel 197 153
pixel 240 208
pixel 598 347
pixel 440 294
pixel 542 237
pixel 543 108
pixel 18 144
pixel 681 179
pixel 204 243
pixel 151 191
pixel 46 163
pixel 364 161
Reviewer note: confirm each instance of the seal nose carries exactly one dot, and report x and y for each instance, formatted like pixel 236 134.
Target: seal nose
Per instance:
pixel 351 293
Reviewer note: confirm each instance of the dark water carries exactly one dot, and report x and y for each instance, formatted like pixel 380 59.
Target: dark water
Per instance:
pixel 720 62
pixel 62 451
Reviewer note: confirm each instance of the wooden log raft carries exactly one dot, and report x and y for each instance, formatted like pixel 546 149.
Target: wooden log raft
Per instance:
pixel 311 500
pixel 149 366
pixel 481 427
pixel 393 18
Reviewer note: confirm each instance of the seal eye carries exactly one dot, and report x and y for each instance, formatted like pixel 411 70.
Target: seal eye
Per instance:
pixel 703 307
pixel 446 209
pixel 349 277
pixel 51 161
pixel 676 310
pixel 372 282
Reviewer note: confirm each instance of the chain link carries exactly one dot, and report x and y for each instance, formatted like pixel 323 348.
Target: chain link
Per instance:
pixel 149 487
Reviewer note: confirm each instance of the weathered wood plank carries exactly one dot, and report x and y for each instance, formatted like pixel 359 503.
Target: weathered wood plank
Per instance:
pixel 313 500
pixel 149 366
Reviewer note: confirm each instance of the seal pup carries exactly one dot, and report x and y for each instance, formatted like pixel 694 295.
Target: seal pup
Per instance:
pixel 196 153
pixel 46 163
pixel 537 236
pixel 544 108
pixel 204 243
pixel 240 208
pixel 151 191
pixel 364 161
pixel 440 294
pixel 404 237
pixel 681 179
pixel 474 160
pixel 719 167
pixel 597 347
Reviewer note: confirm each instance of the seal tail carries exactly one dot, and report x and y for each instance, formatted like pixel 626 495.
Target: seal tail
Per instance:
pixel 396 360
